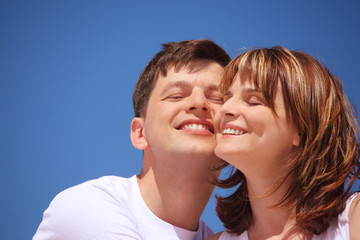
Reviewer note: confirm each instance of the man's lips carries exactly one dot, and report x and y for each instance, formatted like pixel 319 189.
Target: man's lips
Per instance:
pixel 196 124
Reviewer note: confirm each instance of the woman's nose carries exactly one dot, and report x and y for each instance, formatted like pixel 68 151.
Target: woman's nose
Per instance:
pixel 229 108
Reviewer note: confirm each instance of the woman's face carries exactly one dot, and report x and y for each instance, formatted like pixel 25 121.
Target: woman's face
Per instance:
pixel 251 137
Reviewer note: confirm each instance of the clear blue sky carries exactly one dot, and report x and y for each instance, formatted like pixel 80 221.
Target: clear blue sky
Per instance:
pixel 68 68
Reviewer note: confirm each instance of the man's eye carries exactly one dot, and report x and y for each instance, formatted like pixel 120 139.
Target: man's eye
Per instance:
pixel 175 96
pixel 216 99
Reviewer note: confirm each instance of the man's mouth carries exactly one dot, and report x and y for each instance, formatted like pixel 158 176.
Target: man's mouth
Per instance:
pixel 196 126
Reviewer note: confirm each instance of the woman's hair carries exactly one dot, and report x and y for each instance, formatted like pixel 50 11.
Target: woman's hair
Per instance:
pixel 326 163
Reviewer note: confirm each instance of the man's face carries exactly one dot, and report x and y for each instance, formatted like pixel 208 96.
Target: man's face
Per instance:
pixel 180 111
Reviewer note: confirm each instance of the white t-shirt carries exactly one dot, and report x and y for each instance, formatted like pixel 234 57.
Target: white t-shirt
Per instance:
pixel 108 208
pixel 338 229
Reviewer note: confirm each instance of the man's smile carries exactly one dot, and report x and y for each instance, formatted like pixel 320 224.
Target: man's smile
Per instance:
pixel 196 125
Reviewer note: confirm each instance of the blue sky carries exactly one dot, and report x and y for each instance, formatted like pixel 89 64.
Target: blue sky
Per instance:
pixel 68 68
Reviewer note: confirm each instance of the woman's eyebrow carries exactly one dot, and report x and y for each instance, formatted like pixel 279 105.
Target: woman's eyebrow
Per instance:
pixel 251 90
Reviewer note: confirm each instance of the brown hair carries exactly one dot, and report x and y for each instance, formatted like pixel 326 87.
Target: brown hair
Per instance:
pixel 177 54
pixel 326 163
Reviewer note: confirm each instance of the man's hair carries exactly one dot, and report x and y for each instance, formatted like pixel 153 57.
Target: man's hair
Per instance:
pixel 173 54
pixel 326 163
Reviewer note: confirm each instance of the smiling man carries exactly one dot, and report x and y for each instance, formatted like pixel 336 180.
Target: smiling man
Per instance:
pixel 175 100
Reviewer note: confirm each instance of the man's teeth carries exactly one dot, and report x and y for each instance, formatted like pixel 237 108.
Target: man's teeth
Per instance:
pixel 232 131
pixel 196 126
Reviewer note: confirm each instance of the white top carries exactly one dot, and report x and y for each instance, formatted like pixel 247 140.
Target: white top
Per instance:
pixel 108 208
pixel 338 229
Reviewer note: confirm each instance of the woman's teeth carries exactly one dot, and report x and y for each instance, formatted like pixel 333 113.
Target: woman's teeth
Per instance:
pixel 230 131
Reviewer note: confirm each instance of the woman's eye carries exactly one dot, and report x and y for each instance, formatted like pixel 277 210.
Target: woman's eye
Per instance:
pixel 254 101
pixel 226 97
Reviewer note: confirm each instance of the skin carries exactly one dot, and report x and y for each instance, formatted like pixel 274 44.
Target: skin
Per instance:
pixel 258 142
pixel 354 219
pixel 258 128
pixel 248 150
pixel 178 142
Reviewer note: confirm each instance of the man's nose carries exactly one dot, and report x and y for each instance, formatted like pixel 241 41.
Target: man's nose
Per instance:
pixel 198 101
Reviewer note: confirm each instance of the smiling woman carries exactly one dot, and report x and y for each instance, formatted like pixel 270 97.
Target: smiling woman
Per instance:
pixel 289 130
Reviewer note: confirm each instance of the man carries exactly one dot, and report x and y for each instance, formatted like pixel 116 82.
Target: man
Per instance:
pixel 175 100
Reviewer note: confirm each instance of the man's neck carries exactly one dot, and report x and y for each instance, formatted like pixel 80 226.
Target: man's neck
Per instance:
pixel 177 196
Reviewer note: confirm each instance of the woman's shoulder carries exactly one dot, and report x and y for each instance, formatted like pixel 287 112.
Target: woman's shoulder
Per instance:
pixel 354 217
pixel 215 236
pixel 228 236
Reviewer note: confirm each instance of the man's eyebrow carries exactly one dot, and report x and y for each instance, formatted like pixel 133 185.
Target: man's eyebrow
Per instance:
pixel 176 84
pixel 185 84
pixel 213 87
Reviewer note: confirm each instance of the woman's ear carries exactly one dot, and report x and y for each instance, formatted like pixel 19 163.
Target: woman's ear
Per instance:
pixel 296 140
pixel 137 134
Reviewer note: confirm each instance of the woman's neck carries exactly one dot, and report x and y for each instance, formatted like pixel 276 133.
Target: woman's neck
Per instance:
pixel 270 222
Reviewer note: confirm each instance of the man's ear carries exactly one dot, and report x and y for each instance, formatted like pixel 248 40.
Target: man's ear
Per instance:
pixel 137 134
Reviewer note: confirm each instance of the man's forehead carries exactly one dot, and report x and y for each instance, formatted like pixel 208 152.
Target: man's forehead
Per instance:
pixel 192 66
pixel 176 76
pixel 188 78
pixel 183 83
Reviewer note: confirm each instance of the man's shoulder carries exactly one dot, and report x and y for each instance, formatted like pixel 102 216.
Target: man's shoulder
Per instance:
pixel 94 191
pixel 98 207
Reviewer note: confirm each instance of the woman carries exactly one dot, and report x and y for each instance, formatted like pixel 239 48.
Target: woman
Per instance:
pixel 290 132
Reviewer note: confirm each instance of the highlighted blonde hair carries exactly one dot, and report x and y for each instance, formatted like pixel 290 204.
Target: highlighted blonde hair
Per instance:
pixel 326 163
